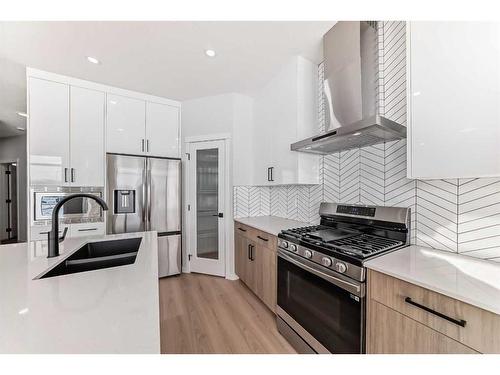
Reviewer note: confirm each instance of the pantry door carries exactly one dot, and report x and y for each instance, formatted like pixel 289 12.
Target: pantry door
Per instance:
pixel 206 207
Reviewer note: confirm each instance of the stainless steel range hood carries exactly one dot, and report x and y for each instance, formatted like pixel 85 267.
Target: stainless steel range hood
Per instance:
pixel 352 77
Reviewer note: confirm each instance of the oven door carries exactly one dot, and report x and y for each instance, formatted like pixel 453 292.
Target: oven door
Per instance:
pixel 324 308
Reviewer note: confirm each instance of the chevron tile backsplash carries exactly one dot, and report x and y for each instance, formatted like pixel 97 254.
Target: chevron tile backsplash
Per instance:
pixel 458 215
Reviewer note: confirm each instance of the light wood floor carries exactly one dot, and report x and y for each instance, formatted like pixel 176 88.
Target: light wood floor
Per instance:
pixel 207 314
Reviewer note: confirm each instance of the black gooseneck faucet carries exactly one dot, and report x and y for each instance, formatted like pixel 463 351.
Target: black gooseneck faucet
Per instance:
pixel 54 232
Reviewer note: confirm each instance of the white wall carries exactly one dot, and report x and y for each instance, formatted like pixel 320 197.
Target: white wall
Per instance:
pixel 221 114
pixel 11 149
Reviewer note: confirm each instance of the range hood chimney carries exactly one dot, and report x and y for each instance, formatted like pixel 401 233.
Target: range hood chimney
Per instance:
pixel 351 86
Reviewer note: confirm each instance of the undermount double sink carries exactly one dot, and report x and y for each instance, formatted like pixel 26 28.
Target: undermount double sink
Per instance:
pixel 97 255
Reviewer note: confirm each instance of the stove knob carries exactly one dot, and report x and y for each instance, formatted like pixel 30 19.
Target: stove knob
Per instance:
pixel 340 267
pixel 285 244
pixel 293 248
pixel 308 254
pixel 327 262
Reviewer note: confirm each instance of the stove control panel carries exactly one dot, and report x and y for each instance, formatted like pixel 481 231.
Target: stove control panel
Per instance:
pixel 348 269
pixel 356 210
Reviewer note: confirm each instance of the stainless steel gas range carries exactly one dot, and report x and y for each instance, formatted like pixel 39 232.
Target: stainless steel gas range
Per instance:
pixel 321 277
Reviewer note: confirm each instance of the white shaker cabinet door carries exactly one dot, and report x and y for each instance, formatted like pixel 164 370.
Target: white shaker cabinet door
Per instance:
pixel 87 137
pixel 126 121
pixel 162 130
pixel 454 99
pixel 48 132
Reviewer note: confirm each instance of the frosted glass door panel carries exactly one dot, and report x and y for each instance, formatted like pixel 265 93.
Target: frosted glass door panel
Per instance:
pixel 207 203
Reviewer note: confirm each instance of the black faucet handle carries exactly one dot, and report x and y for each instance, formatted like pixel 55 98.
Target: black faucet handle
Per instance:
pixel 61 239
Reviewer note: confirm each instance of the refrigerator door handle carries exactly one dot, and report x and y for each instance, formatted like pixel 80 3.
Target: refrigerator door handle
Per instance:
pixel 148 182
pixel 144 198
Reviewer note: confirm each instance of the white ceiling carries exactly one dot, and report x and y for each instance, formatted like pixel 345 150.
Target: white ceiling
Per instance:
pixel 159 58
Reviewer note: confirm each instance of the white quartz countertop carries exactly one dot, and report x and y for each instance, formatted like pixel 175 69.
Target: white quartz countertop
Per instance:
pixel 467 279
pixel 271 224
pixel 113 310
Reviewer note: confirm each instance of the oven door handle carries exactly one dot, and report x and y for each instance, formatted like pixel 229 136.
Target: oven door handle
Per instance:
pixel 346 285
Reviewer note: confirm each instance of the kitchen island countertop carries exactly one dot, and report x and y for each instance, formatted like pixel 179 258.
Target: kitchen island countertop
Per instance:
pixel 112 310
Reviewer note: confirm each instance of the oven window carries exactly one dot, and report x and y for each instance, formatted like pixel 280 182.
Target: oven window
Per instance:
pixel 329 313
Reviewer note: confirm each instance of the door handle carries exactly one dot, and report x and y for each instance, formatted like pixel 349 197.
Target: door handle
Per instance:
pixel 250 248
pixel 220 214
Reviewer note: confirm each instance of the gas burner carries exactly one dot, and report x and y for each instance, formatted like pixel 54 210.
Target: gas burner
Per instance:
pixel 364 245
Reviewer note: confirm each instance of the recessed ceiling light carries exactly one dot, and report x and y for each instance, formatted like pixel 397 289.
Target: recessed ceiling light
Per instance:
pixel 210 52
pixel 22 114
pixel 93 60
pixel 21 129
pixel 357 133
pixel 23 311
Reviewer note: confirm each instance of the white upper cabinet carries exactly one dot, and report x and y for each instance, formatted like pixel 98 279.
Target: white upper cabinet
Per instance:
pixel 285 112
pixel 126 125
pixel 48 132
pixel 87 137
pixel 162 130
pixel 453 99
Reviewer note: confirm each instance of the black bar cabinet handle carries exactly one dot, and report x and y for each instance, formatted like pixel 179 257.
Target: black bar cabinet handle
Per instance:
pixel 243 230
pixel 272 178
pixel 269 174
pixel 248 256
pixel 262 238
pixel 251 252
pixel 460 322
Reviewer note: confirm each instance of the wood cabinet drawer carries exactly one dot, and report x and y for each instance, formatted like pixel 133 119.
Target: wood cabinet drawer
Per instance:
pixel 259 237
pixel 481 329
pixel 242 229
pixel 391 332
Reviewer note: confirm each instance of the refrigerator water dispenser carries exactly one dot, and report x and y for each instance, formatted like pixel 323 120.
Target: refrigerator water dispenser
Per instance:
pixel 124 201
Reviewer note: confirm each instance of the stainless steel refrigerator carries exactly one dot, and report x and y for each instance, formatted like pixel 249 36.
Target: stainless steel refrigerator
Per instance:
pixel 145 194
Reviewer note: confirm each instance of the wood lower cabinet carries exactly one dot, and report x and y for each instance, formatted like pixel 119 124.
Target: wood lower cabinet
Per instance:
pixel 393 332
pixel 406 318
pixel 255 262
